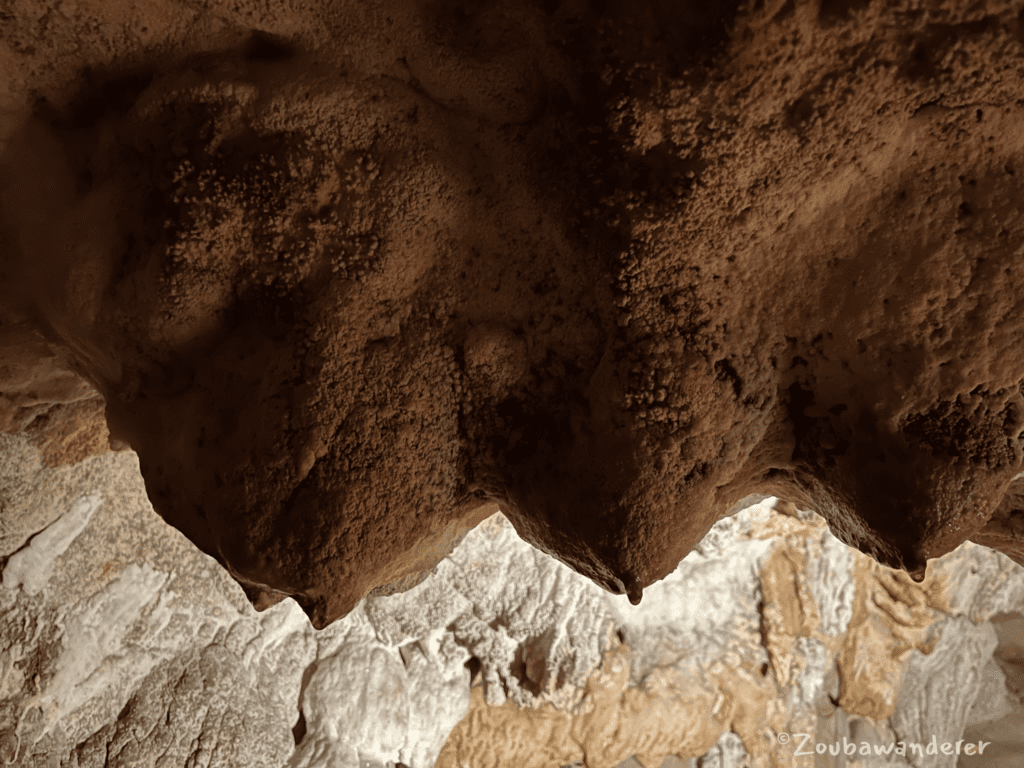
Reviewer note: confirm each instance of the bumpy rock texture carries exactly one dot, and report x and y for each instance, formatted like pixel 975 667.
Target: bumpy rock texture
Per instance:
pixel 123 645
pixel 348 275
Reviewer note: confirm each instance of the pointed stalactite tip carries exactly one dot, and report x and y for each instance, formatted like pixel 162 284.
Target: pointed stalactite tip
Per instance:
pixel 635 591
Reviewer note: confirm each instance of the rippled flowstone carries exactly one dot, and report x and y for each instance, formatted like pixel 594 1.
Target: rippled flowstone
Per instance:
pixel 122 645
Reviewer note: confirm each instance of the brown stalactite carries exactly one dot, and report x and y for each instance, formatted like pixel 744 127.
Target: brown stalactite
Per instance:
pixel 351 278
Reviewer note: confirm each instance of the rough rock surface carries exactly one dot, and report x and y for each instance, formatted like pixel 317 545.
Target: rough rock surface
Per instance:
pixel 348 274
pixel 126 646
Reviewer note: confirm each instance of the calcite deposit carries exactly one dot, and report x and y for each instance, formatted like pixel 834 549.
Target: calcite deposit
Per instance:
pixel 349 276
pixel 123 646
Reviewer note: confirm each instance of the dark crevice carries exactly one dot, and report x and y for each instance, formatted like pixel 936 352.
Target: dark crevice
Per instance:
pixel 263 46
pixel 800 400
pixel 299 730
pixel 474 666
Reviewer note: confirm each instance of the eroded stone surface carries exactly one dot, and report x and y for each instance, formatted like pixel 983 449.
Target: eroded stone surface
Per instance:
pixel 32 565
pixel 200 708
pixel 786 635
pixel 766 625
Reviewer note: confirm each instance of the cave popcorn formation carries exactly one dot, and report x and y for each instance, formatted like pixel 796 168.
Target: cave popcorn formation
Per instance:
pixel 610 270
pixel 349 277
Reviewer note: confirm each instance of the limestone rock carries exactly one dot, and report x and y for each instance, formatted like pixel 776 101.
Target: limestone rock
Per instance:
pixel 139 650
pixel 796 625
pixel 31 566
pixel 936 706
pixel 201 709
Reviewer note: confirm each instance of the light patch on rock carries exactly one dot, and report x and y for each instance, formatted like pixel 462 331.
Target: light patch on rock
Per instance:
pixel 940 689
pixel 829 576
pixel 534 625
pixel 359 697
pixel 993 700
pixel 31 566
pixel 727 753
pixel 200 709
pixel 742 641
pixel 95 661
pixel 978 582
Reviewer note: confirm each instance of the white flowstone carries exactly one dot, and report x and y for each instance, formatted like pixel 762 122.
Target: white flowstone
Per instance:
pixel 940 689
pixel 94 659
pixel 829 570
pixel 138 632
pixel 727 753
pixel 31 566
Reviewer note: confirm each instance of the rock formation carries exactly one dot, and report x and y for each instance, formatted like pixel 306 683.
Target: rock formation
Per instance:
pixel 123 646
pixel 349 276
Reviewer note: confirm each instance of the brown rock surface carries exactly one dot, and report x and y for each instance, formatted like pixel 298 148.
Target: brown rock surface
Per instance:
pixel 349 274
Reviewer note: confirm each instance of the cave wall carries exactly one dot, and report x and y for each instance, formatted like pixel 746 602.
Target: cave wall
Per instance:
pixel 348 276
pixel 123 645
